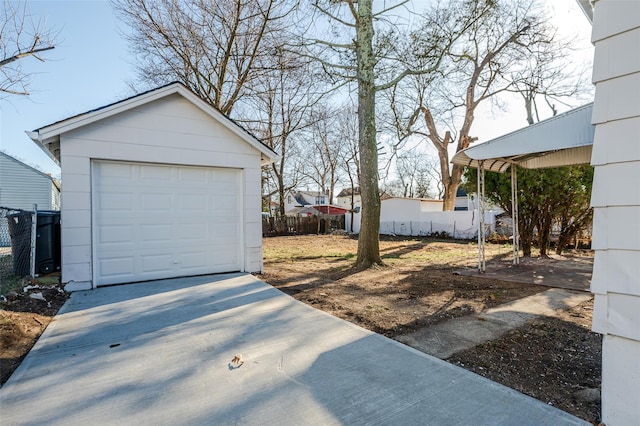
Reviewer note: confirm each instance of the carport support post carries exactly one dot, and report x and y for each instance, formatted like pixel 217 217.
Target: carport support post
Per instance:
pixel 481 225
pixel 514 214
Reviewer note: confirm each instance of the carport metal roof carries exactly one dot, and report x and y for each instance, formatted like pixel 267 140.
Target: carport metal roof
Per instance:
pixel 563 140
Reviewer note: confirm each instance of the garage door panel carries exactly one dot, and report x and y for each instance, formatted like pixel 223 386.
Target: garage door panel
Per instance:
pixel 225 176
pixel 156 174
pixel 151 201
pixel 117 170
pixel 156 263
pixel 118 234
pixel 197 176
pixel 155 233
pixel 192 202
pixel 116 201
pixel 193 232
pixel 115 267
pixel 225 231
pixel 164 221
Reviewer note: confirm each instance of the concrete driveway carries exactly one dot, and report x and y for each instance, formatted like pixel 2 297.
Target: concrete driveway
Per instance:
pixel 160 353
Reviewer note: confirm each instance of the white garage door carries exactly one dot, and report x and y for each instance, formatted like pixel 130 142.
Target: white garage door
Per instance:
pixel 160 221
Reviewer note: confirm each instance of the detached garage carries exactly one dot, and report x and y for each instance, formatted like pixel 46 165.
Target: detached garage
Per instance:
pixel 156 186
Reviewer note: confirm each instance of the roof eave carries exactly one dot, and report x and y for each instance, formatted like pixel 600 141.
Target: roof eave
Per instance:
pixel 49 134
pixel 45 146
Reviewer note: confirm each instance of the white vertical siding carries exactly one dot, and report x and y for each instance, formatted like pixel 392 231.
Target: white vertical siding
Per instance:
pixel 616 203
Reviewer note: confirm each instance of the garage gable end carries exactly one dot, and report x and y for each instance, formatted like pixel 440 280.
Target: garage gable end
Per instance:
pixel 171 128
pixel 48 137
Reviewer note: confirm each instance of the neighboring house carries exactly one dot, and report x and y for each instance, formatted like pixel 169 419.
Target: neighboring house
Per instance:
pixel 158 185
pixel 346 196
pixel 331 210
pixel 304 211
pixel 616 208
pixel 462 200
pixel 22 186
pixel 304 198
pixel 274 208
pixel 315 210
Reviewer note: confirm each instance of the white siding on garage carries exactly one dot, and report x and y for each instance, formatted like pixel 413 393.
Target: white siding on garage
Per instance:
pixel 171 130
pixel 158 221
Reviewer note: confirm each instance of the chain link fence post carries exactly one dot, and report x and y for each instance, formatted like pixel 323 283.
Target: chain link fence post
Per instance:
pixel 34 230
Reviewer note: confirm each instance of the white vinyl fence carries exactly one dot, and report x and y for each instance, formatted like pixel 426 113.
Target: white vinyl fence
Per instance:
pixel 452 224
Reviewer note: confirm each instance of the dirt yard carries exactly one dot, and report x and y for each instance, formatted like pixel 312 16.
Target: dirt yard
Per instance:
pixel 551 359
pixel 26 309
pixel 554 360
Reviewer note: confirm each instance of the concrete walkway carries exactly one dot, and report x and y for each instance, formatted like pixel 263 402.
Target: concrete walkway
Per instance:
pixel 445 339
pixel 161 353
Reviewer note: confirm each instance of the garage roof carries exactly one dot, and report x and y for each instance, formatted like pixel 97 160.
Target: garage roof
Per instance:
pixel 48 137
pixel 563 140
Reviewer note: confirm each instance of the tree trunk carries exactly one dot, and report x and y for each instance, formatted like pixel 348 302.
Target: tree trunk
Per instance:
pixel 525 229
pixel 368 240
pixel 544 233
pixel 563 242
pixel 451 188
pixel 281 194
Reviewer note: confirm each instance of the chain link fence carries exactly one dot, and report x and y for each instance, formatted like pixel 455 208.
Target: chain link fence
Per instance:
pixel 16 244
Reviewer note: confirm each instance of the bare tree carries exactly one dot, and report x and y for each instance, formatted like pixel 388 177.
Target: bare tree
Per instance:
pixel 547 75
pixel 20 37
pixel 367 60
pixel 279 110
pixel 414 175
pixel 216 48
pixel 479 66
pixel 348 133
pixel 325 151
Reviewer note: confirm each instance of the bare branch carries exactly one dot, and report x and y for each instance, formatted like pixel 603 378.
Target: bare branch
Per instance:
pixel 20 38
pixel 334 17
pixel 387 10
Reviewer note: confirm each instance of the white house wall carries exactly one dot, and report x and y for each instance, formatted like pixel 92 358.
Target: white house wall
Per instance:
pixel 168 131
pixel 400 209
pixel 616 203
pixel 431 206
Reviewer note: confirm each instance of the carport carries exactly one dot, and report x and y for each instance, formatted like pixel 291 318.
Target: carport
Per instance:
pixel 563 140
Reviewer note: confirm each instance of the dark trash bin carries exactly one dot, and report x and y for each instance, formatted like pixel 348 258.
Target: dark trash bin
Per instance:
pixel 47 242
pixel 20 234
